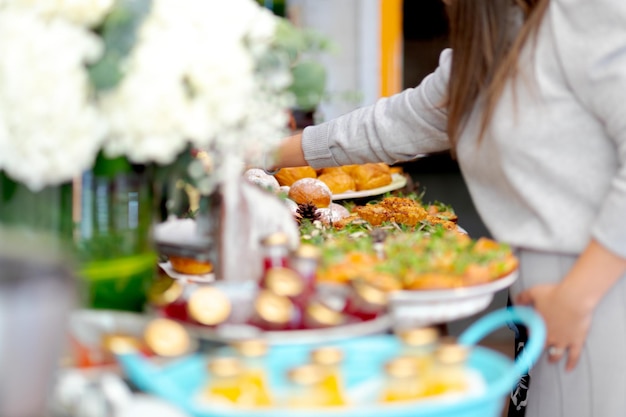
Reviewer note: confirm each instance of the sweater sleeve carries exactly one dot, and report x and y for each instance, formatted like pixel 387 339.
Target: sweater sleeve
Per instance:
pixel 591 43
pixel 397 128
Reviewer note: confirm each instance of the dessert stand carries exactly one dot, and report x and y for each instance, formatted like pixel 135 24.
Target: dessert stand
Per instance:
pixel 181 380
pixel 365 344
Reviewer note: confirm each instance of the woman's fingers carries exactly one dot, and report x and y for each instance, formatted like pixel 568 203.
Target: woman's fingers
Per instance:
pixel 565 338
pixel 524 298
pixel 573 355
pixel 529 296
pixel 555 353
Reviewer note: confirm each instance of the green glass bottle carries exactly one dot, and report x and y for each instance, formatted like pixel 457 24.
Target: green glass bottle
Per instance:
pixel 114 211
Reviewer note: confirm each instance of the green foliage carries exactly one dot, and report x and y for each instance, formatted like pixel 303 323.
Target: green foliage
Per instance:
pixel 309 84
pixel 296 41
pixel 110 167
pixel 296 47
pixel 119 33
pixel 302 48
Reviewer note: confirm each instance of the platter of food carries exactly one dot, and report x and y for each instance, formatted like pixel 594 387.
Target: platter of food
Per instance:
pixel 431 269
pixel 426 307
pixel 428 269
pixel 344 182
pixel 398 181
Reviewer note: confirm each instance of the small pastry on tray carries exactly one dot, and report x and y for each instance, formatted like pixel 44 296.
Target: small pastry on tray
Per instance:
pixel 190 266
pixel 262 179
pixel 287 176
pixel 333 213
pixel 370 176
pixel 310 190
pixel 338 181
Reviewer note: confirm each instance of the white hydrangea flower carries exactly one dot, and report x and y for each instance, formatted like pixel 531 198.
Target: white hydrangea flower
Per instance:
pixel 196 76
pixel 81 12
pixel 192 78
pixel 49 130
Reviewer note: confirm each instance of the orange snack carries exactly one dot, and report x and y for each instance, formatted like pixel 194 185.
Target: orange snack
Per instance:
pixel 338 182
pixel 190 266
pixel 332 171
pixel 384 167
pixel 371 176
pixel 442 213
pixel 393 209
pixel 287 176
pixel 349 169
pixel 396 170
pixel 432 281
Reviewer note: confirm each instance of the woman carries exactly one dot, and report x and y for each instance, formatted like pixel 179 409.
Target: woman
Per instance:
pixel 533 104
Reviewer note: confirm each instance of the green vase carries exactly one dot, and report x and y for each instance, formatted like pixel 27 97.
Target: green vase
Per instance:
pixel 102 220
pixel 113 213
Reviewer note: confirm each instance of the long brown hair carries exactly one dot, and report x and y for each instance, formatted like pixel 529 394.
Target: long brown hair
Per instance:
pixel 485 55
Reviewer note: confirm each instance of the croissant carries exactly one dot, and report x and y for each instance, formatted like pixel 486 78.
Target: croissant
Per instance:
pixel 369 176
pixel 338 182
pixel 349 168
pixel 396 170
pixel 287 176
pixel 331 170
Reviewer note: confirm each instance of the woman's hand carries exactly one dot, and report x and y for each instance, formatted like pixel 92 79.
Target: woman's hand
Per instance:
pixel 567 319
pixel 567 307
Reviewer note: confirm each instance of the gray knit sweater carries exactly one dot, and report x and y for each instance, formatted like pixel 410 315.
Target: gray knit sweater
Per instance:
pixel 551 171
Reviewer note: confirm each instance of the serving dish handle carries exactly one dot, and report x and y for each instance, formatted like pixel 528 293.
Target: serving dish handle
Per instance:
pixel 532 349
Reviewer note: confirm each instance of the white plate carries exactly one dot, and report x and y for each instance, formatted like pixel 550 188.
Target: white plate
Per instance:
pixel 397 181
pixel 426 307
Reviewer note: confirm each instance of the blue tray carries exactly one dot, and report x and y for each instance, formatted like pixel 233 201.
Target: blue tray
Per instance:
pixel 181 380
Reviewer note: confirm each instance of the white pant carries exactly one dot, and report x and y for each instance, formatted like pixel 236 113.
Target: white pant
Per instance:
pixel 597 386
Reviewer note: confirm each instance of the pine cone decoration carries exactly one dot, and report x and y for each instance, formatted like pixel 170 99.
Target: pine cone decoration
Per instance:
pixel 307 211
pixel 378 235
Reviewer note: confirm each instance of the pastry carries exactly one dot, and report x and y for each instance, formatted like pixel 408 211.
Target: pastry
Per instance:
pixel 287 176
pixel 333 213
pixel 349 168
pixel 331 170
pixel 262 179
pixel 338 181
pixel 396 170
pixel 384 167
pixel 310 190
pixel 370 176
pixel 190 266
